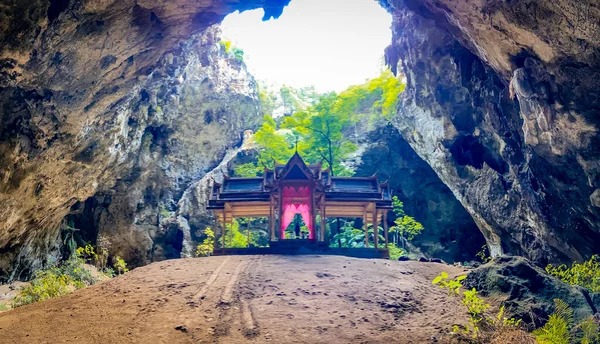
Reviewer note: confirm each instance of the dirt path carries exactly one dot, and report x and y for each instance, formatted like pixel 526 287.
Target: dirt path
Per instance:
pixel 248 299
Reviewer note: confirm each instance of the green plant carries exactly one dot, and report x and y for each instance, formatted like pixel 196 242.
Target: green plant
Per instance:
pixel 406 228
pixel 484 254
pixel 395 252
pixel 453 285
pixel 206 248
pixel 87 253
pixel 69 240
pixel 476 308
pixel 558 328
pixel 45 285
pixel 586 274
pixel 164 212
pixel 588 331
pixel 4 307
pixel 75 269
pixel 120 265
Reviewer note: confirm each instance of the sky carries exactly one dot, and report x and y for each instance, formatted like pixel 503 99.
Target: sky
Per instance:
pixel 330 44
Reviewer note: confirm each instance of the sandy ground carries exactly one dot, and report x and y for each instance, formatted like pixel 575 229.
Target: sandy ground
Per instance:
pixel 249 299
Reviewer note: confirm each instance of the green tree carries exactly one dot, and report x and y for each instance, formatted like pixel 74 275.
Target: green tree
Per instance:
pixel 233 237
pixel 206 248
pixel 321 128
pixel 275 146
pixel 406 228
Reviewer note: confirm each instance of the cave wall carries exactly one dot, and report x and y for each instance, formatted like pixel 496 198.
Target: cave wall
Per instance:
pixel 80 88
pixel 450 232
pixel 502 103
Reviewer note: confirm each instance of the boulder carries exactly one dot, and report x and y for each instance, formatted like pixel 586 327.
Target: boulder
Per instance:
pixel 527 291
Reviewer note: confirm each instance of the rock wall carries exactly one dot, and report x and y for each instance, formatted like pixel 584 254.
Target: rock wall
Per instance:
pixel 450 233
pixel 91 92
pixel 502 103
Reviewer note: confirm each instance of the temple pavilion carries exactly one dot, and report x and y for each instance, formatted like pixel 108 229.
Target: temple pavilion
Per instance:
pixel 308 190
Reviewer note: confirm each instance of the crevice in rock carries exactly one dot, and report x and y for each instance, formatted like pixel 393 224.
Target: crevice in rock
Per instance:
pixel 56 8
pixel 468 150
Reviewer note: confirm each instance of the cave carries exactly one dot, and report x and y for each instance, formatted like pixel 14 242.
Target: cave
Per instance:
pixel 120 116
pixel 468 150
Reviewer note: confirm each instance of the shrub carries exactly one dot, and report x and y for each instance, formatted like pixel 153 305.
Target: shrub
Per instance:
pixel 482 328
pixel 87 253
pixel 586 274
pixel 75 269
pixel 484 254
pixel 46 284
pixel 206 248
pixel 395 252
pixel 120 265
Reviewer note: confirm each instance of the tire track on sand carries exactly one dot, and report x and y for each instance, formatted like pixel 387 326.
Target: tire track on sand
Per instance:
pixel 228 306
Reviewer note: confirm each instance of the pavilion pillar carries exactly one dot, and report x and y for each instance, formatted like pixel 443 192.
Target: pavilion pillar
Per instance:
pixel 271 220
pixel 375 228
pixel 366 225
pixel 385 228
pixel 323 221
pixel 216 229
pixel 248 230
pixel 223 228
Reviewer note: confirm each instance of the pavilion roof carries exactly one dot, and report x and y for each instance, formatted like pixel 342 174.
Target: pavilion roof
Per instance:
pixel 341 189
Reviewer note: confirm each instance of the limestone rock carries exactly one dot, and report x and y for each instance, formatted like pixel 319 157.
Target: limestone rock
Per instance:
pixel 528 292
pixel 501 102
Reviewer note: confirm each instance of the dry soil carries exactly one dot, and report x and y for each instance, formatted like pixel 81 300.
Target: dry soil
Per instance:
pixel 249 299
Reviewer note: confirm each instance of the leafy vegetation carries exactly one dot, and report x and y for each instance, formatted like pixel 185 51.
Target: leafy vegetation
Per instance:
pixel 45 285
pixel 405 228
pixel 586 274
pixel 74 273
pixel 120 265
pixel 320 131
pixel 482 327
pixel 69 237
pixel 229 49
pixel 55 281
pixel 484 254
pixel 206 248
pixel 559 329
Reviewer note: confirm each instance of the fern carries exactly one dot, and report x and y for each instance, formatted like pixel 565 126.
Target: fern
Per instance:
pixel 558 328
pixel 588 331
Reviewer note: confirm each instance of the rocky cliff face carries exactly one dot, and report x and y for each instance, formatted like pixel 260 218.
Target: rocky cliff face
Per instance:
pixel 101 99
pixel 502 102
pixel 450 232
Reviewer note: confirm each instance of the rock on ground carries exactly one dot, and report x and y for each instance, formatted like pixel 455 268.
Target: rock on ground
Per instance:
pixel 528 292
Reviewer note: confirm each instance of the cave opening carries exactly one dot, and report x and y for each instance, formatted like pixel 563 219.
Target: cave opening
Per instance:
pixel 85 216
pixel 468 150
pixel 56 8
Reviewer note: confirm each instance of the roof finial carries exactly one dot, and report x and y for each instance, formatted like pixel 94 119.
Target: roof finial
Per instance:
pixel 296 143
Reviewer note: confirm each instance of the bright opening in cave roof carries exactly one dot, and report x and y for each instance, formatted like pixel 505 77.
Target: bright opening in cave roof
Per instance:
pixel 329 44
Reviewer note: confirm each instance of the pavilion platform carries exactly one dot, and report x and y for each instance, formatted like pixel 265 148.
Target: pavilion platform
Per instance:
pixel 304 247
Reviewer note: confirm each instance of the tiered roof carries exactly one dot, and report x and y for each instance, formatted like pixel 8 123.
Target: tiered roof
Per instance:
pixel 336 189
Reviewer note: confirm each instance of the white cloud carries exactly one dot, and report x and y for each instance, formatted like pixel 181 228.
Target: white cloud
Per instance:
pixel 331 44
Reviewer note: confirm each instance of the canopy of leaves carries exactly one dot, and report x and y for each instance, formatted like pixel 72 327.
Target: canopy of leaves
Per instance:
pixel 406 227
pixel 318 130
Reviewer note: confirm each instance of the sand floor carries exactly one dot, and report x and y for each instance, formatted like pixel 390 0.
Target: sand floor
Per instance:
pixel 249 299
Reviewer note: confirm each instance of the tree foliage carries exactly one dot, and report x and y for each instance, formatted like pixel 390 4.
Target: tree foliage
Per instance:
pixel 586 274
pixel 319 130
pixel 405 228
